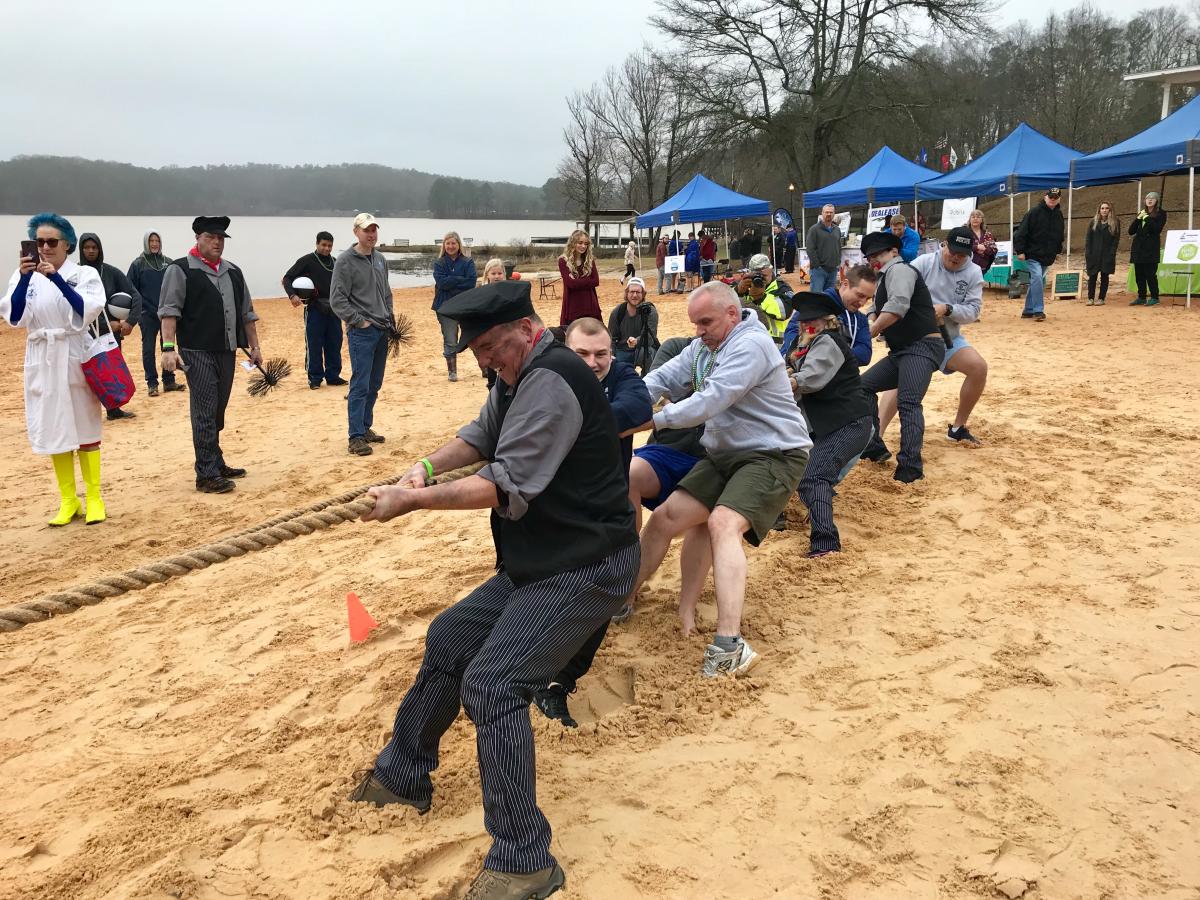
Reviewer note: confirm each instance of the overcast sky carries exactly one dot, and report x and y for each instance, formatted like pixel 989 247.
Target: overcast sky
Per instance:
pixel 469 88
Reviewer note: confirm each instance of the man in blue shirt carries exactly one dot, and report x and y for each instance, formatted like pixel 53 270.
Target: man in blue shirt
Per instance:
pixel 854 291
pixel 910 240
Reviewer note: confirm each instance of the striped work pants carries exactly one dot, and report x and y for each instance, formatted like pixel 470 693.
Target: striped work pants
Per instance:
pixel 489 653
pixel 908 372
pixel 210 381
pixel 826 459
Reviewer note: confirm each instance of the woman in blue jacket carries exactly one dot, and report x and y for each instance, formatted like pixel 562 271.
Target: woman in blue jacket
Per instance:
pixel 453 273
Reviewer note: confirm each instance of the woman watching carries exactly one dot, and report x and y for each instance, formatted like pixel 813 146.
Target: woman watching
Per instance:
pixel 1100 250
pixel 630 261
pixel 1144 251
pixel 453 273
pixel 660 260
pixel 985 244
pixel 580 278
pixel 55 300
pixel 493 272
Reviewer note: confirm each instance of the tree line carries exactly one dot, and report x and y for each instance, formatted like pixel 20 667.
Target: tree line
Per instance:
pixel 763 94
pixel 97 187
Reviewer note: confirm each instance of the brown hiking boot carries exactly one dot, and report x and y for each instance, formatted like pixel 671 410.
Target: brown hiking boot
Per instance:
pixel 371 790
pixel 359 447
pixel 493 885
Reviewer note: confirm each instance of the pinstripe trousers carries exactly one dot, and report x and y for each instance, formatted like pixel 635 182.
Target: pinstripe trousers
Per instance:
pixel 210 382
pixel 490 652
pixel 908 372
pixel 826 459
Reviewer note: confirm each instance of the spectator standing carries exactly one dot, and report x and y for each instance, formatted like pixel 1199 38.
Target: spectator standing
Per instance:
pixel 675 248
pixel 453 273
pixel 322 329
pixel 1100 250
pixel 824 245
pixel 146 274
pixel 1038 240
pixel 708 256
pixel 55 301
pixel 1144 249
pixel 660 260
pixel 747 246
pixel 630 261
pixel 634 328
pixel 910 239
pixel 778 247
pixel 580 278
pixel 789 248
pixel 691 261
pixel 362 298
pixel 985 243
pixel 91 253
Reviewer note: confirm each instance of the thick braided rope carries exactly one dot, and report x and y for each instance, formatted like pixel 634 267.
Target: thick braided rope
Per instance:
pixel 318 517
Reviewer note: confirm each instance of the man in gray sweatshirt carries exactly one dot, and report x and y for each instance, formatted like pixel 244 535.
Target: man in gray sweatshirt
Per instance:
pixel 732 380
pixel 824 245
pixel 361 297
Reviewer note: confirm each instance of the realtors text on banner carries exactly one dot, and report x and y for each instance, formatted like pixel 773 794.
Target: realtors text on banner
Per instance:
pixel 877 215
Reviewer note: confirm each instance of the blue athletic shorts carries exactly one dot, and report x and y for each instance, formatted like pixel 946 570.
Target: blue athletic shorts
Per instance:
pixel 669 466
pixel 958 344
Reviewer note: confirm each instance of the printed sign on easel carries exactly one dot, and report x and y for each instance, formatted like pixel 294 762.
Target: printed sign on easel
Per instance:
pixel 673 265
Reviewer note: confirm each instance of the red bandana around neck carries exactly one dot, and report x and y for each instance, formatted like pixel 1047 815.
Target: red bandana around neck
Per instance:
pixel 195 251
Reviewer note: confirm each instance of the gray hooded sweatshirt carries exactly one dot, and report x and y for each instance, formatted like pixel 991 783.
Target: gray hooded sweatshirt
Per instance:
pixel 744 403
pixel 961 290
pixel 359 291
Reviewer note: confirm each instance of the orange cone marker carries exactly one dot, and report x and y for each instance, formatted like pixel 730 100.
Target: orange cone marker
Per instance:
pixel 361 622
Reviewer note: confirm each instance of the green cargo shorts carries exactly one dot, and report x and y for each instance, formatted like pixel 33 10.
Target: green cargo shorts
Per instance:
pixel 754 483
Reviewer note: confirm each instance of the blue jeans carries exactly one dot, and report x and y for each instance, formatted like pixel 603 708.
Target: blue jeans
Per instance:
pixel 322 345
pixel 662 279
pixel 822 278
pixel 706 271
pixel 368 359
pixel 1034 299
pixel 151 342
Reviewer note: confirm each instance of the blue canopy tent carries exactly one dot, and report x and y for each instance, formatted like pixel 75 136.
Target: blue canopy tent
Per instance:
pixel 702 200
pixel 1168 146
pixel 887 177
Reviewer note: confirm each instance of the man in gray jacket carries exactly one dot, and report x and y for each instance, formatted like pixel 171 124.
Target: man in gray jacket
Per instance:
pixel 732 380
pixel 824 245
pixel 361 297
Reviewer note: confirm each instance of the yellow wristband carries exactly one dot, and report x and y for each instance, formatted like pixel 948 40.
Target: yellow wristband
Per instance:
pixel 428 468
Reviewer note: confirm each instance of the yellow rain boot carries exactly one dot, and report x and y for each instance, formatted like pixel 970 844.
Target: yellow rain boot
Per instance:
pixel 89 465
pixel 64 471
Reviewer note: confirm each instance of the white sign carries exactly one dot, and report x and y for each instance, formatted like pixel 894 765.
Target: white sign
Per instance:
pixel 956 212
pixel 1003 254
pixel 673 265
pixel 877 215
pixel 1182 247
pixel 843 223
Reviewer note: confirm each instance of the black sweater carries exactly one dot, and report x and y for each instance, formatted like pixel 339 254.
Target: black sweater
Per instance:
pixel 315 268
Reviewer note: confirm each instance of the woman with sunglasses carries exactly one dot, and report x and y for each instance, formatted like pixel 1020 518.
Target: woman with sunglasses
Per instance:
pixel 55 301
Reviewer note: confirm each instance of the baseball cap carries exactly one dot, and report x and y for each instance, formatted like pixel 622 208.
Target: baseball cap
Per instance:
pixel 635 280
pixel 759 261
pixel 960 240
pixel 1054 192
pixel 364 220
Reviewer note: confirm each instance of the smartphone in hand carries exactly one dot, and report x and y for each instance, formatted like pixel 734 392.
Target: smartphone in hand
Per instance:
pixel 29 249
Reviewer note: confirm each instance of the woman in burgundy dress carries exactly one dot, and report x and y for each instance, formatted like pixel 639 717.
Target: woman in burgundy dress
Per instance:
pixel 985 243
pixel 580 278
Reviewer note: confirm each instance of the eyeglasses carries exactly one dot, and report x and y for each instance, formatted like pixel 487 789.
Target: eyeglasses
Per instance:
pixel 48 242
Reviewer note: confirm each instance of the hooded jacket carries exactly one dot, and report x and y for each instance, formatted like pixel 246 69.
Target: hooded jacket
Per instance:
pixel 1040 235
pixel 744 400
pixel 114 280
pixel 146 275
pixel 1144 249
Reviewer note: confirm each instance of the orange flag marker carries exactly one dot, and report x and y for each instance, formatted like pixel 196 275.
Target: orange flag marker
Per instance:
pixel 361 622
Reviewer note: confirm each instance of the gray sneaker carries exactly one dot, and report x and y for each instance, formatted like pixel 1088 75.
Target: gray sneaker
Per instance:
pixel 493 885
pixel 737 661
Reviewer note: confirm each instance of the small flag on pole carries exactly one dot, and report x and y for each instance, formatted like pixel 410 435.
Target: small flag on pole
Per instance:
pixel 953 159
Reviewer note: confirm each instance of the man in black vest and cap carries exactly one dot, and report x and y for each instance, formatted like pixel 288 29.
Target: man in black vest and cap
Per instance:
pixel 206 315
pixel 904 316
pixel 567 556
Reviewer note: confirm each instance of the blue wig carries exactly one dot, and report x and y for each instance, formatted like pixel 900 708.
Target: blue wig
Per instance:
pixel 54 220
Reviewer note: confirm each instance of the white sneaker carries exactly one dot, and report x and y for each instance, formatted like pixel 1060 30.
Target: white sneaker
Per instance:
pixel 737 661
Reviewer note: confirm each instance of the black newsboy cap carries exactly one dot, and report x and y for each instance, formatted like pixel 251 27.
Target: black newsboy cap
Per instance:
pixel 814 306
pixel 211 225
pixel 877 242
pixel 487 306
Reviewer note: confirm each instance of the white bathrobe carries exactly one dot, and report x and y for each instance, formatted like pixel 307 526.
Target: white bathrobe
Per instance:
pixel 61 412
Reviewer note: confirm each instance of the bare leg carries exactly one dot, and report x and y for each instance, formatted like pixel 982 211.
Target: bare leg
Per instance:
pixel 694 562
pixel 681 512
pixel 887 410
pixel 725 529
pixel 643 483
pixel 975 369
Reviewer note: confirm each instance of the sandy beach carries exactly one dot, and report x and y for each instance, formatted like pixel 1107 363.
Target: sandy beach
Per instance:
pixel 993 692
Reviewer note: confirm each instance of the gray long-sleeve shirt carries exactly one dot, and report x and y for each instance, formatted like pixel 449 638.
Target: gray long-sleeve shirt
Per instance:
pixel 744 403
pixel 824 246
pixel 819 365
pixel 539 430
pixel 359 291
pixel 174 295
pixel 962 291
pixel 901 282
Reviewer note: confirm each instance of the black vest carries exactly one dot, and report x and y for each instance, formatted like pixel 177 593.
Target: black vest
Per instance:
pixel 583 515
pixel 842 400
pixel 201 326
pixel 918 322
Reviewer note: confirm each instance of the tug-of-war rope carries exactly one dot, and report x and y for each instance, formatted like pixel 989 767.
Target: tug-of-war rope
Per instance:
pixel 318 517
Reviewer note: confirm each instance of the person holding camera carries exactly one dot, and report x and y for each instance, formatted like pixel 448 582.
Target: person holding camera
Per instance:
pixel 634 327
pixel 769 296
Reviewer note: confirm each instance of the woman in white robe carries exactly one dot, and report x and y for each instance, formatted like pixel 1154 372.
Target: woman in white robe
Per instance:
pixel 55 300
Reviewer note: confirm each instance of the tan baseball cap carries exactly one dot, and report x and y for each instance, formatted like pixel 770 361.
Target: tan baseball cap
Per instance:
pixel 364 220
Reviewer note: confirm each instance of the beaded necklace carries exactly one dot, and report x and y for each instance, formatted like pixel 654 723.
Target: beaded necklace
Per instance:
pixel 322 262
pixel 698 379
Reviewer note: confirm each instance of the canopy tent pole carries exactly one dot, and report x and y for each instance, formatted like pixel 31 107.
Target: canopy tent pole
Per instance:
pixel 1191 194
pixel 1011 230
pixel 1070 198
pixel 728 253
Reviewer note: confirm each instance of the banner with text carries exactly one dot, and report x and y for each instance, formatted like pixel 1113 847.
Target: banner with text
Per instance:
pixel 877 215
pixel 1182 247
pixel 956 212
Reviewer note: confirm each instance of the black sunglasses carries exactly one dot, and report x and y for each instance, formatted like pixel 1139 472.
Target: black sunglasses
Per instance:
pixel 48 242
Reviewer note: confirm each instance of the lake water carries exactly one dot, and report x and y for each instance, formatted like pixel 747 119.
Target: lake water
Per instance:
pixel 264 247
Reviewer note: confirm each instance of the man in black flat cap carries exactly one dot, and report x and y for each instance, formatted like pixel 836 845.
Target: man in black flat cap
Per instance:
pixel 567 556
pixel 904 316
pixel 206 315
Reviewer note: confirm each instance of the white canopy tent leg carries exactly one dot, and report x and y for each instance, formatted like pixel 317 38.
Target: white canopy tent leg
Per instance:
pixel 1011 230
pixel 1191 194
pixel 1070 198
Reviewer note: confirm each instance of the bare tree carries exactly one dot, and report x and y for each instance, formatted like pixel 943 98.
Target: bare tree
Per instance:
pixel 581 170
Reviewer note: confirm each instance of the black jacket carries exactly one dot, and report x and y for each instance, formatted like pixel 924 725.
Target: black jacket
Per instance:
pixel 1100 248
pixel 320 270
pixel 1040 234
pixel 1144 248
pixel 114 280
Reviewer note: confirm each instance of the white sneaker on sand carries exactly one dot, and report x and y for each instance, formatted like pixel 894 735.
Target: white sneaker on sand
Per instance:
pixel 737 661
